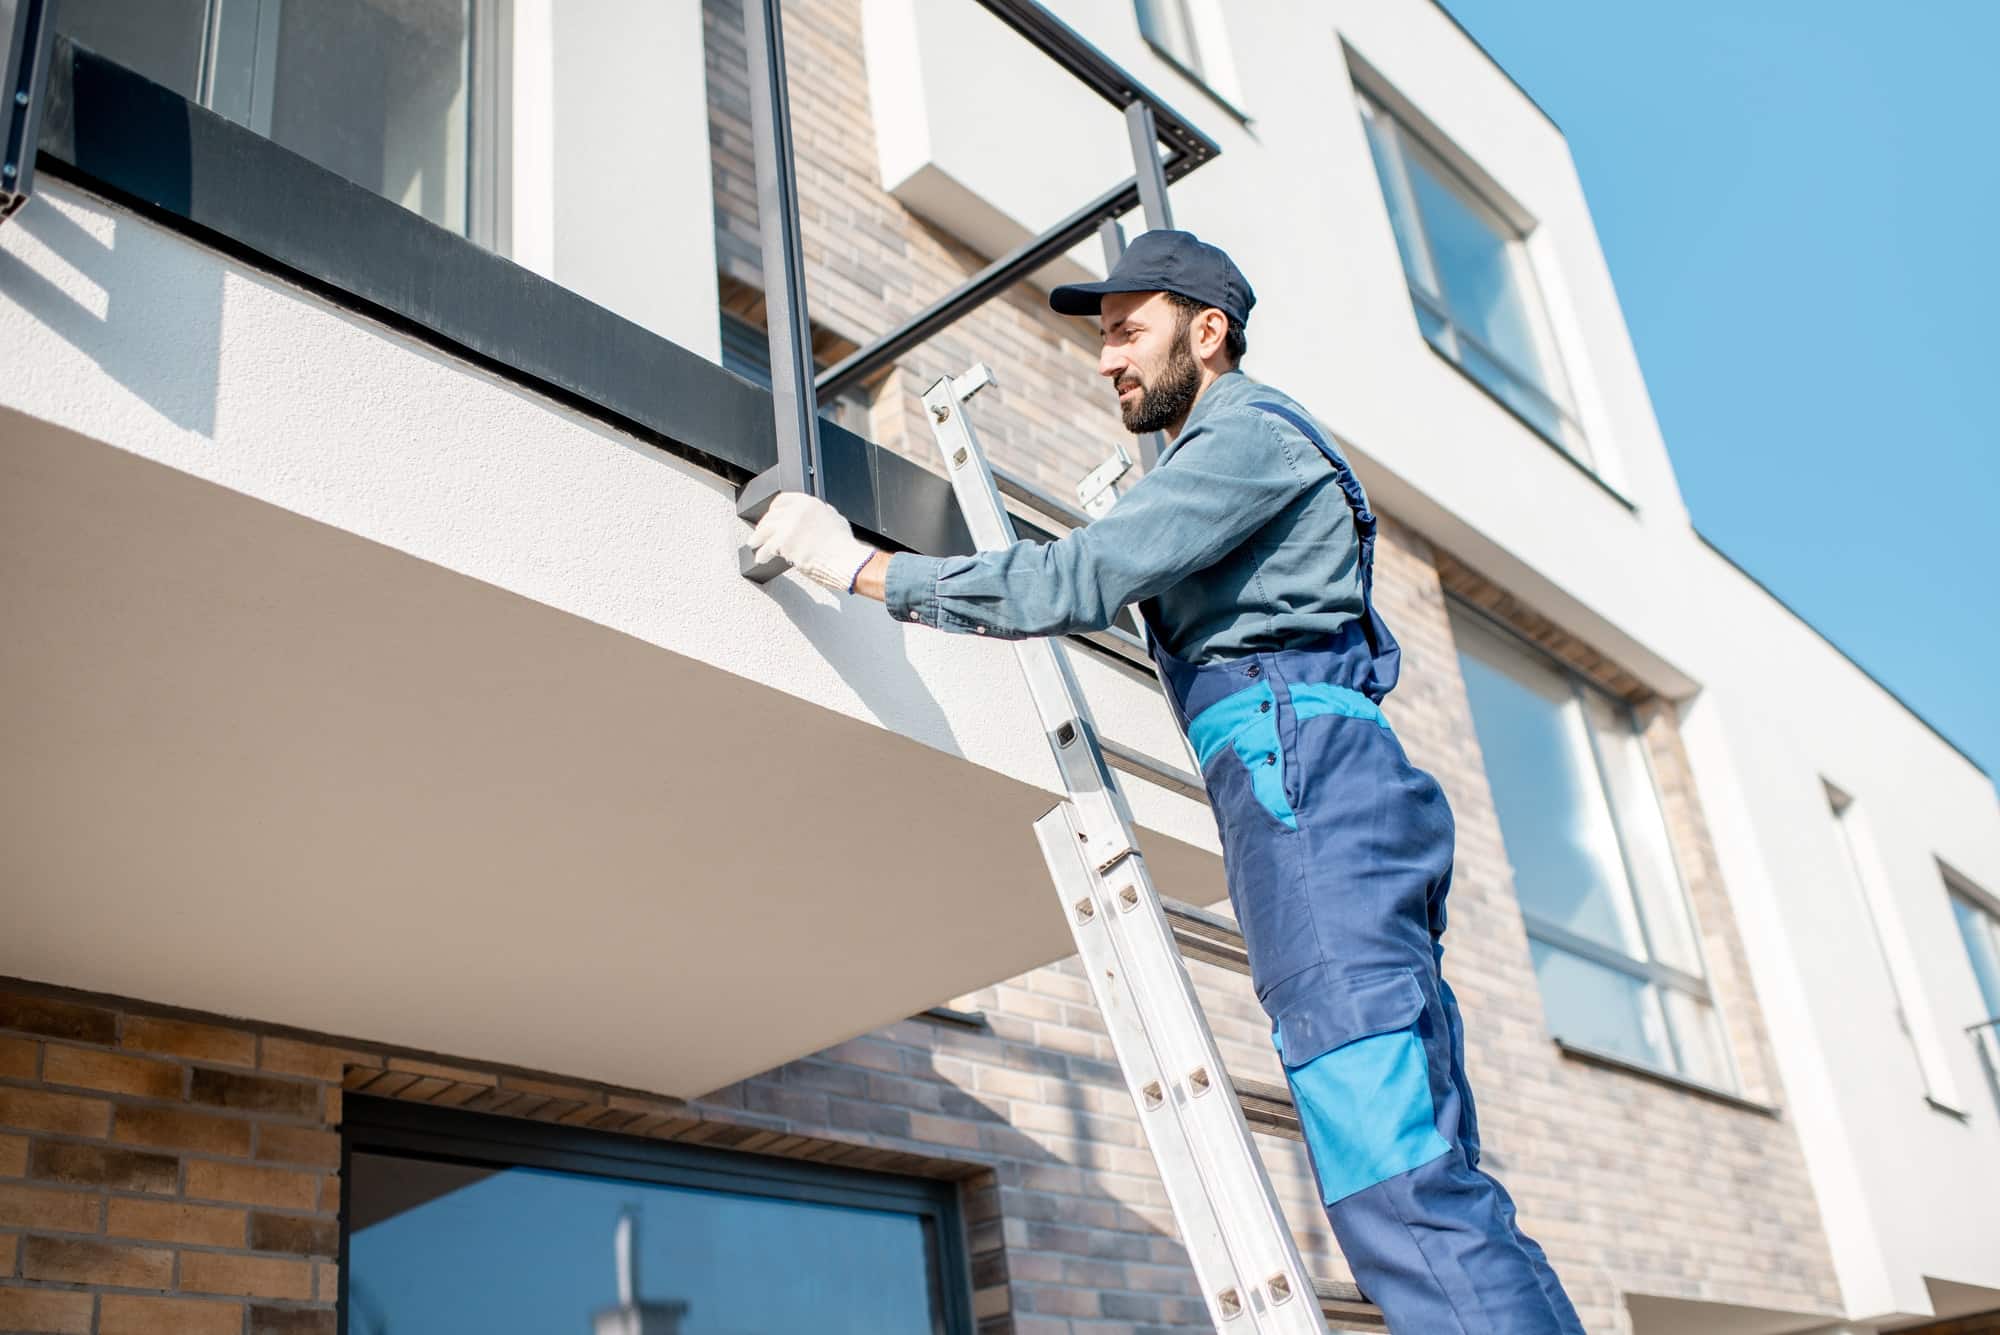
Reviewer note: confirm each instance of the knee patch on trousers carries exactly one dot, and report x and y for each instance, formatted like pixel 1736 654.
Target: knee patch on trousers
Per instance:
pixel 1357 1069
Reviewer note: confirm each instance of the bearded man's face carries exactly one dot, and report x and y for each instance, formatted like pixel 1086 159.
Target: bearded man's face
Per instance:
pixel 1149 360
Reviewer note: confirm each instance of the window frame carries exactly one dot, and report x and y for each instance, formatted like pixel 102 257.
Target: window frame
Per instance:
pixel 1651 972
pixel 237 66
pixel 451 1135
pixel 1407 142
pixel 1213 72
pixel 1959 889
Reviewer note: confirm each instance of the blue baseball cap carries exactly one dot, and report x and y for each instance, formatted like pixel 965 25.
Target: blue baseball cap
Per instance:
pixel 1166 261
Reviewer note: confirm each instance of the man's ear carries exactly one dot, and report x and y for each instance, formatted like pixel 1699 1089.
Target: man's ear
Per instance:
pixel 1212 331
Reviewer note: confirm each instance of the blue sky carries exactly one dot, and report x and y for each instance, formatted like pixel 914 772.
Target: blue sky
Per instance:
pixel 1799 203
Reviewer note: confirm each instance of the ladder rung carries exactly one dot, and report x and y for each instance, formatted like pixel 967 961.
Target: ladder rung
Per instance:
pixel 1268 1107
pixel 1344 1306
pixel 1206 936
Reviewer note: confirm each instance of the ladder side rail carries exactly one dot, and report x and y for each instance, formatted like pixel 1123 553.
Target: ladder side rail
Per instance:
pixel 1201 1229
pixel 1190 1101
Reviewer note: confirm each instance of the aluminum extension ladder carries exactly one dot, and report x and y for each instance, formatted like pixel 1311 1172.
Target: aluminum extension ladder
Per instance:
pixel 1130 942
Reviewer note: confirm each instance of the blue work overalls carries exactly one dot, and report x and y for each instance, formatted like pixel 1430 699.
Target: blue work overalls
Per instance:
pixel 1338 854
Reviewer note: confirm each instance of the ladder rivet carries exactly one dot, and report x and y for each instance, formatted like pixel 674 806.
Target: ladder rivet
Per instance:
pixel 958 460
pixel 942 414
pixel 1281 1288
pixel 1198 1079
pixel 1085 910
pixel 1231 1304
pixel 1154 1095
pixel 1065 734
pixel 1129 896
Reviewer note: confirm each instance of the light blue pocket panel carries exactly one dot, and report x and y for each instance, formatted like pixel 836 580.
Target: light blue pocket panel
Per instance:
pixel 1247 723
pixel 1363 1089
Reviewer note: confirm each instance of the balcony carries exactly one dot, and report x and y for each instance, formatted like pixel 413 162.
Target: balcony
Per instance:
pixel 385 665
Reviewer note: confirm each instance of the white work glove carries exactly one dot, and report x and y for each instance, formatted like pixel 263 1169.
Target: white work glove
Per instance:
pixel 810 535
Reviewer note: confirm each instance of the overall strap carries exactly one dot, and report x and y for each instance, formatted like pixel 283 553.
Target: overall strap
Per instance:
pixel 1387 653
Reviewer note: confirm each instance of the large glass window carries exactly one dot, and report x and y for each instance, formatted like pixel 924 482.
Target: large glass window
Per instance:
pixel 595 1234
pixel 1469 276
pixel 1614 944
pixel 376 90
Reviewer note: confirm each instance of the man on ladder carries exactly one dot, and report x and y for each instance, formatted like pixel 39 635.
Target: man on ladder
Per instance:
pixel 1249 551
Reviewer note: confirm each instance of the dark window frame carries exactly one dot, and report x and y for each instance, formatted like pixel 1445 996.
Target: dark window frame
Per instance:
pixel 451 1135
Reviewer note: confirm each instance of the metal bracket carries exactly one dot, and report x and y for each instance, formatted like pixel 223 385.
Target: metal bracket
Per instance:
pixel 977 377
pixel 30 38
pixel 751 503
pixel 1098 492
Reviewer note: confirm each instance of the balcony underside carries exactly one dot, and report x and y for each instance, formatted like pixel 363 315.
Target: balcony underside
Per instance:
pixel 257 765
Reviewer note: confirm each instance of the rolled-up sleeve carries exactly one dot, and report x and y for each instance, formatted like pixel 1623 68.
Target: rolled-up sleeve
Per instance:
pixel 1224 479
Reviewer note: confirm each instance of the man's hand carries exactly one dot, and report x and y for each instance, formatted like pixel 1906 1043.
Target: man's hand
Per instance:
pixel 811 536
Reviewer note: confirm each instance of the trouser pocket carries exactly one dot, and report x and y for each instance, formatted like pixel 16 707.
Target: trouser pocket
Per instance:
pixel 1358 1071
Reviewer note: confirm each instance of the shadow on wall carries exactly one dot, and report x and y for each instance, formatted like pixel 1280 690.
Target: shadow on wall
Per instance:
pixel 151 323
pixel 887 683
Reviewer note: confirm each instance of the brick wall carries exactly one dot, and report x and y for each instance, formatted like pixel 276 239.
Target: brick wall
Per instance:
pixel 159 1174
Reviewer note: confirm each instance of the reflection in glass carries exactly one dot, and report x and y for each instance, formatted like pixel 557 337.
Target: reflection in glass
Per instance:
pixel 1471 247
pixel 376 90
pixel 1552 814
pixel 526 1251
pixel 161 39
pixel 1602 1009
pixel 1641 820
pixel 1980 931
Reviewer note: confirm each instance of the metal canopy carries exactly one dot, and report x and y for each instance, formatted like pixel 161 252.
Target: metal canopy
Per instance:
pixel 1151 123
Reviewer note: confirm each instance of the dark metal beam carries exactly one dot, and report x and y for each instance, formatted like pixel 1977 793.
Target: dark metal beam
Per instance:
pixel 1152 178
pixel 982 287
pixel 30 28
pixel 1105 77
pixel 786 323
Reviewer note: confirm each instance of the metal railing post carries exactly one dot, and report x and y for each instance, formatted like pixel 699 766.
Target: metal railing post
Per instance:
pixel 786 324
pixel 30 37
pixel 1145 135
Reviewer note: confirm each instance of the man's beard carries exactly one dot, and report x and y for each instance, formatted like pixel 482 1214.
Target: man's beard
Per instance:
pixel 1168 399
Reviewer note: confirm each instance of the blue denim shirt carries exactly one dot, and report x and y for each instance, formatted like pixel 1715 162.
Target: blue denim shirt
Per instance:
pixel 1239 541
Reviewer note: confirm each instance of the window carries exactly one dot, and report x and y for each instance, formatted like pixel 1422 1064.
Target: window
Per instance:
pixel 1613 941
pixel 376 90
pixel 456 1225
pixel 1979 927
pixel 1191 35
pixel 1469 277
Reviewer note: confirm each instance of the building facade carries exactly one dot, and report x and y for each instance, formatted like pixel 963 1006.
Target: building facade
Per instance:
pixel 427 855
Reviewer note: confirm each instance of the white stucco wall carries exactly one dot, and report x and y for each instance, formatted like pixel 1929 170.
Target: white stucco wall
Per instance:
pixel 141 342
